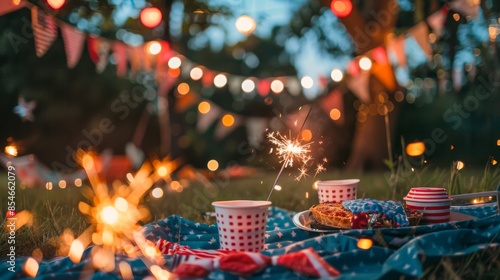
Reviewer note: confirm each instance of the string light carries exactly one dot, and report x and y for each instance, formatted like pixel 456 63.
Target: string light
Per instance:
pixel 277 86
pixel 183 88
pixel 336 75
pixel 341 8
pixel 307 82
pixel 228 120
pixel 154 48
pixel 174 62
pixel 365 63
pixel 204 107
pixel 151 17
pixel 335 114
pixel 220 80
pixel 248 85
pixel 78 182
pixel 157 192
pixel 212 165
pixel 196 73
pixel 245 24
pixel 56 4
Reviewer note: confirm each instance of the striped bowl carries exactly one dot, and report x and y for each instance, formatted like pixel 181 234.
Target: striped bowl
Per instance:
pixel 433 203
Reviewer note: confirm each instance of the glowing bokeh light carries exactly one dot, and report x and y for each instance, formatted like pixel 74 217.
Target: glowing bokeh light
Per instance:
pixel 220 80
pixel 365 63
pixel 336 75
pixel 157 192
pixel 78 182
pixel 341 8
pixel 245 24
pixel 183 88
pixel 62 184
pixel 228 120
pixel 162 171
pixel 460 165
pixel 154 48
pixel 307 82
pixel 151 17
pixel 248 85
pixel 335 114
pixel 56 4
pixel 196 73
pixel 109 215
pixel 306 135
pixel 204 107
pixel 48 186
pixel 11 150
pixel 30 267
pixel 212 165
pixel 277 86
pixel 278 188
pixel 415 149
pixel 365 243
pixel 174 62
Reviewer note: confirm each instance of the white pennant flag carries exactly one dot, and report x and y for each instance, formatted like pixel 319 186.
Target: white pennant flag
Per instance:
pixel 221 131
pixel 207 119
pixel 359 86
pixel 73 44
pixel 44 29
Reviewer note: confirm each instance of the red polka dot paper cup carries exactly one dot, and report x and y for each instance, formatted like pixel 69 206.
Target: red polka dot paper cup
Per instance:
pixel 337 190
pixel 242 224
pixel 433 203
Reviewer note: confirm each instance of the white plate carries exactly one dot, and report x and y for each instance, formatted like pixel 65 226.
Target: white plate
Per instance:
pixel 302 221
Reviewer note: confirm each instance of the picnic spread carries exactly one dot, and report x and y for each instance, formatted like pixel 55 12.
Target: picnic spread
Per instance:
pixel 192 249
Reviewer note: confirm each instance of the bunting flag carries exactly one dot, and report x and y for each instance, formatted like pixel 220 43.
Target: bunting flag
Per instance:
pixel 44 30
pixel 396 52
pixel 73 44
pixel 222 130
pixel 382 69
pixel 333 100
pixel 467 8
pixel 120 56
pixel 359 85
pixel 457 79
pixel 256 130
pixel 9 6
pixel 136 55
pixel 207 119
pixel 420 33
pixel 93 45
pixel 103 50
pixel 437 19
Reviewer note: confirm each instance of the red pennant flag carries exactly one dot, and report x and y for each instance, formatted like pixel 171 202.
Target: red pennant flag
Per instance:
pixel 436 21
pixel 73 44
pixel 120 54
pixel 9 6
pixel 263 87
pixel 359 86
pixel 44 29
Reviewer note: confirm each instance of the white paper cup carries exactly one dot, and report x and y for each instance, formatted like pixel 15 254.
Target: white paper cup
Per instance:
pixel 242 224
pixel 433 203
pixel 337 190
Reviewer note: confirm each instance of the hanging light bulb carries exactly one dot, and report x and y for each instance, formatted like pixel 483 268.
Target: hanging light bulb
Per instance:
pixel 150 17
pixel 154 48
pixel 245 24
pixel 336 75
pixel 365 63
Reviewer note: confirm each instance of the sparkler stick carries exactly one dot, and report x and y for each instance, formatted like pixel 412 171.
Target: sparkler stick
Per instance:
pixel 289 156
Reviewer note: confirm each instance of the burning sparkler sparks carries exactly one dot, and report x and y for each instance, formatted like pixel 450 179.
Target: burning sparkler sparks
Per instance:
pixel 291 151
pixel 115 212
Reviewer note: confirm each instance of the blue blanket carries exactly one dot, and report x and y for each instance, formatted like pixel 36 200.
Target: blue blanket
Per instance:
pixel 396 252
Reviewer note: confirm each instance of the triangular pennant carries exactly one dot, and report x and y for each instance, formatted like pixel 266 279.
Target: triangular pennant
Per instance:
pixel 421 34
pixel 207 119
pixel 93 46
pixel 359 86
pixel 221 131
pixel 256 130
pixel 103 50
pixel 185 102
pixel 120 55
pixel 44 30
pixel 208 78
pixel 437 19
pixel 415 55
pixel 382 69
pixel 396 50
pixel 9 6
pixel 73 44
pixel 136 55
pixel 467 8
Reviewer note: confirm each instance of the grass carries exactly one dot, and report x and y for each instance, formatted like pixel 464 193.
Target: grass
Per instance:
pixel 55 213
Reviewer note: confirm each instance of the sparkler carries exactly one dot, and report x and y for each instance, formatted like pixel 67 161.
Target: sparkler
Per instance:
pixel 290 151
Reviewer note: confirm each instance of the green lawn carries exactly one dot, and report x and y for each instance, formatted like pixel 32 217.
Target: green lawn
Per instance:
pixel 56 211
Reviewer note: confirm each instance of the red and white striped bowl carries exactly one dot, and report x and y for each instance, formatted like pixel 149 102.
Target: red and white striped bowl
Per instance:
pixel 433 203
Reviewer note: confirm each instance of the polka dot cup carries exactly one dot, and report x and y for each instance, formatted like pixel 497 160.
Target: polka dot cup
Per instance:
pixel 337 190
pixel 242 224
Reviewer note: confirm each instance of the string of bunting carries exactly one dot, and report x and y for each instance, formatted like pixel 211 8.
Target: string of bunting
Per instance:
pixel 400 54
